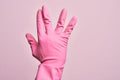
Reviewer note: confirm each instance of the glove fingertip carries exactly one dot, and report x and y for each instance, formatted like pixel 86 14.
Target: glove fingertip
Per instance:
pixel 73 20
pixel 27 35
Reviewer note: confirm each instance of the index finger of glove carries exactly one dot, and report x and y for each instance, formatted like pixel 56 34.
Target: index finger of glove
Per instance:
pixel 40 24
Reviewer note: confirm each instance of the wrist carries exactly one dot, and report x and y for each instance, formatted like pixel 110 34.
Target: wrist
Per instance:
pixel 52 72
pixel 53 62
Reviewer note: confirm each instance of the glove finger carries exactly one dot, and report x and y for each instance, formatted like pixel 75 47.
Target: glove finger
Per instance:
pixel 61 21
pixel 33 43
pixel 40 24
pixel 70 26
pixel 46 20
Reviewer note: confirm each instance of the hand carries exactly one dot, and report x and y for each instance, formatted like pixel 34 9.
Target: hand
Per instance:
pixel 51 46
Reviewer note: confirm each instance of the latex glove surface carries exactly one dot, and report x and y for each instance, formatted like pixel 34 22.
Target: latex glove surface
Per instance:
pixel 51 47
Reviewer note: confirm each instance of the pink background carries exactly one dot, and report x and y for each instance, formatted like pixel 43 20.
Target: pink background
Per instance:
pixel 94 46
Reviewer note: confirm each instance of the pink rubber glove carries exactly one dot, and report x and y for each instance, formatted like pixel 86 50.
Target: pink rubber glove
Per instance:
pixel 51 47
